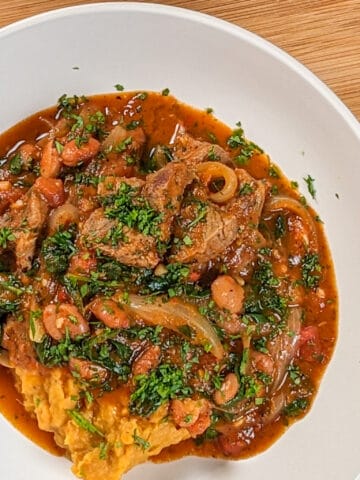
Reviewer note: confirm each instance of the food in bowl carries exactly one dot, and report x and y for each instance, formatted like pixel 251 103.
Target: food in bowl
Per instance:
pixel 165 290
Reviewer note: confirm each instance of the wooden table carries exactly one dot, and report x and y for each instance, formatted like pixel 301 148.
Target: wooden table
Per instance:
pixel 323 34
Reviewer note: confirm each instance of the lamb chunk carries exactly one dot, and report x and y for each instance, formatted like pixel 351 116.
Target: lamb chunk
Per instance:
pixel 241 255
pixel 192 152
pixel 135 249
pixel 208 238
pixel 26 220
pixel 110 185
pixel 231 229
pixel 16 341
pixel 164 190
pixel 8 196
pixel 31 225
pixel 248 206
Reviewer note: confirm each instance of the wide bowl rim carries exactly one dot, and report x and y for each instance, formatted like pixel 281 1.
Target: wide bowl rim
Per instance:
pixel 259 42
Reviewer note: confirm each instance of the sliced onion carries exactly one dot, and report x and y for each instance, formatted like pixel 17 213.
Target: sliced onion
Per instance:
pixel 209 171
pixel 174 314
pixel 62 216
pixel 115 137
pixel 276 204
pixel 283 348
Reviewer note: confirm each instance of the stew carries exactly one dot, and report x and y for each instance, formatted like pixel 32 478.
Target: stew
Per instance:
pixel 164 289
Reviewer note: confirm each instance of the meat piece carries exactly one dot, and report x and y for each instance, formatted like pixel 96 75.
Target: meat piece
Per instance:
pixel 16 341
pixel 31 224
pixel 192 152
pixel 231 228
pixel 9 195
pixel 164 190
pixel 25 219
pixel 123 149
pixel 207 239
pixel 240 256
pixel 247 208
pixel 132 248
pixel 110 185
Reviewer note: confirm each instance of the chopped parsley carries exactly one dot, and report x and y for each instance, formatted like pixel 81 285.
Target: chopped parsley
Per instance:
pixel 140 442
pixel 266 299
pixel 311 270
pixel 11 290
pixel 133 124
pixel 295 374
pixel 200 214
pixel 58 249
pixel 273 171
pixel 15 165
pixel 246 189
pixel 106 349
pixel 122 146
pixel 69 104
pixel 165 92
pixel 6 236
pixel 84 423
pixel 119 87
pixel 280 227
pixel 187 241
pixel 236 139
pixel 296 407
pixel 310 186
pixel 103 447
pixel 82 178
pixel 161 385
pixel 132 212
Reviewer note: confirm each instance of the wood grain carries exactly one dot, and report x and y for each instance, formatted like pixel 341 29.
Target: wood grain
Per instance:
pixel 324 34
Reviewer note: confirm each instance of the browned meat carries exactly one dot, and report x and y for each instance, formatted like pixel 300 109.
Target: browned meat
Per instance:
pixel 247 207
pixel 240 256
pixel 164 190
pixel 192 152
pixel 31 224
pixel 232 229
pixel 8 195
pixel 26 219
pixel 110 185
pixel 16 341
pixel 134 249
pixel 208 238
pixel 123 149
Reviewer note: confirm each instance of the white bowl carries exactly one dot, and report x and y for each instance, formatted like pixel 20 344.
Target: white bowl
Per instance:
pixel 284 108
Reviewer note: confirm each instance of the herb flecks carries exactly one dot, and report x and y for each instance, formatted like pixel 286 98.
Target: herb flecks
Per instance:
pixel 58 249
pixel 6 236
pixel 296 407
pixel 141 442
pixel 310 182
pixel 84 423
pixel 132 211
pixel 311 270
pixel 161 385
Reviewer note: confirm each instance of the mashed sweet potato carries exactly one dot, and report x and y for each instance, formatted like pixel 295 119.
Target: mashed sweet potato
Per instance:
pixel 126 441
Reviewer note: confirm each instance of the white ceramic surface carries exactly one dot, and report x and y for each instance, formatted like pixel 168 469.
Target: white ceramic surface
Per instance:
pixel 285 109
